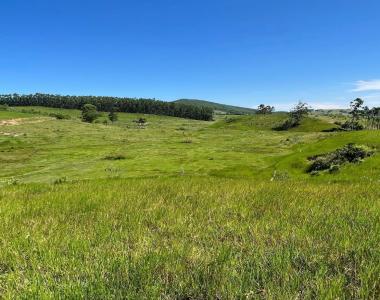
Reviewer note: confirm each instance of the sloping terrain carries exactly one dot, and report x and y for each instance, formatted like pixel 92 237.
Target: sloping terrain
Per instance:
pixel 218 107
pixel 45 149
pixel 184 209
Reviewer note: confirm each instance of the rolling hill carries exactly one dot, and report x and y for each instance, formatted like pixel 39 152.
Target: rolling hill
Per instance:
pixel 184 209
pixel 218 107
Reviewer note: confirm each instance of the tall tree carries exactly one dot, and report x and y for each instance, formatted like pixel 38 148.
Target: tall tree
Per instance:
pixel 300 111
pixel 265 109
pixel 356 112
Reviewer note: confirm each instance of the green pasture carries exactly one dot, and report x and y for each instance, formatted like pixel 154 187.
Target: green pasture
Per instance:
pixel 183 209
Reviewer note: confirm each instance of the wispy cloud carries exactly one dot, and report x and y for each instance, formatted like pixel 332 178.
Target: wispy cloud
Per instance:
pixel 313 105
pixel 367 85
pixel 321 105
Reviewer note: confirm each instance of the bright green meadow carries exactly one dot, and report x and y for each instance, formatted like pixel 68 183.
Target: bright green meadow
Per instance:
pixel 184 209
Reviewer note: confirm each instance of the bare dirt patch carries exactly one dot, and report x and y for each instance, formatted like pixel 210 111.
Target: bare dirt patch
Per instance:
pixel 10 134
pixel 19 121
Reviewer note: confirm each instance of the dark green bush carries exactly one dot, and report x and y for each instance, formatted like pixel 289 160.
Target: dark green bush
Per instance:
pixel 60 116
pixel 115 157
pixel 288 124
pixel 352 125
pixel 60 180
pixel 89 113
pixel 331 161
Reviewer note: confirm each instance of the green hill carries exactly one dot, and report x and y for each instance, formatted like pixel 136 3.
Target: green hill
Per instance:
pixel 218 107
pixel 268 122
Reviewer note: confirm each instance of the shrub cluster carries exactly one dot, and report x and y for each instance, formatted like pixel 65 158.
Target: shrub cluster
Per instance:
pixel 352 125
pixel 300 111
pixel 116 156
pixel 288 124
pixel 350 153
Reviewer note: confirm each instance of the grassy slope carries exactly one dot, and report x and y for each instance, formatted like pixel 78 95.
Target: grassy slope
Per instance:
pixel 219 107
pixel 234 146
pixel 190 230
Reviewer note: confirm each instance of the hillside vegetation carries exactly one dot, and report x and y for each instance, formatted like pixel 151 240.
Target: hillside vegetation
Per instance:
pixel 177 208
pixel 218 107
pixel 145 106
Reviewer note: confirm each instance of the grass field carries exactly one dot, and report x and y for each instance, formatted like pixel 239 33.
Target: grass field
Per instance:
pixel 184 209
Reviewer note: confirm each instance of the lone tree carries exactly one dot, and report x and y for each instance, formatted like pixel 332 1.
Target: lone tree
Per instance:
pixel 300 111
pixel 89 113
pixel 112 116
pixel 356 112
pixel 373 118
pixel 295 116
pixel 265 109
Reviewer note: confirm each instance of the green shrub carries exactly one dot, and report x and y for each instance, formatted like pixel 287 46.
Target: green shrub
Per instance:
pixel 60 180
pixel 140 121
pixel 331 161
pixel 89 113
pixel 117 156
pixel 288 124
pixel 60 116
pixel 352 125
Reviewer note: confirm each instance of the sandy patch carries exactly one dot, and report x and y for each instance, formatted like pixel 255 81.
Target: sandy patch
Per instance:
pixel 10 134
pixel 15 122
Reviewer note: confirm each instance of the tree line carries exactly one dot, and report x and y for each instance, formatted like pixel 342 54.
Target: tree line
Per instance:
pixel 362 117
pixel 116 104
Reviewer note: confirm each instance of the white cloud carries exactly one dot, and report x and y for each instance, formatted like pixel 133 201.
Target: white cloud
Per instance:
pixel 367 85
pixel 321 105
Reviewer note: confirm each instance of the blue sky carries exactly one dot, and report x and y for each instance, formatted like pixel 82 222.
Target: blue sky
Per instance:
pixel 241 52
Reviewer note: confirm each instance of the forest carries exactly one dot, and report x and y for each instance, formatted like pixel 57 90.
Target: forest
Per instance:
pixel 128 105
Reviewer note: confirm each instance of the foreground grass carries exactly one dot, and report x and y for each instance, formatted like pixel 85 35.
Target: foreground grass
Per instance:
pixel 190 238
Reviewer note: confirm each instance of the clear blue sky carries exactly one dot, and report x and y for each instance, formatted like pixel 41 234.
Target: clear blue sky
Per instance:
pixel 242 52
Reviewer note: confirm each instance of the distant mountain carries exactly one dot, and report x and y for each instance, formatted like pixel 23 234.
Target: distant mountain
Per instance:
pixel 218 107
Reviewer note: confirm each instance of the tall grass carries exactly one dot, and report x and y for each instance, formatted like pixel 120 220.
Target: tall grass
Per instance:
pixel 190 238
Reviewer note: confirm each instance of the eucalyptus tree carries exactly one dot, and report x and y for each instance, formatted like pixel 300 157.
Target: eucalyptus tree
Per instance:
pixel 131 105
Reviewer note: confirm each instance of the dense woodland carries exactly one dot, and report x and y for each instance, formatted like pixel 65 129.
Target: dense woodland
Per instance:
pixel 130 105
pixel 219 108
